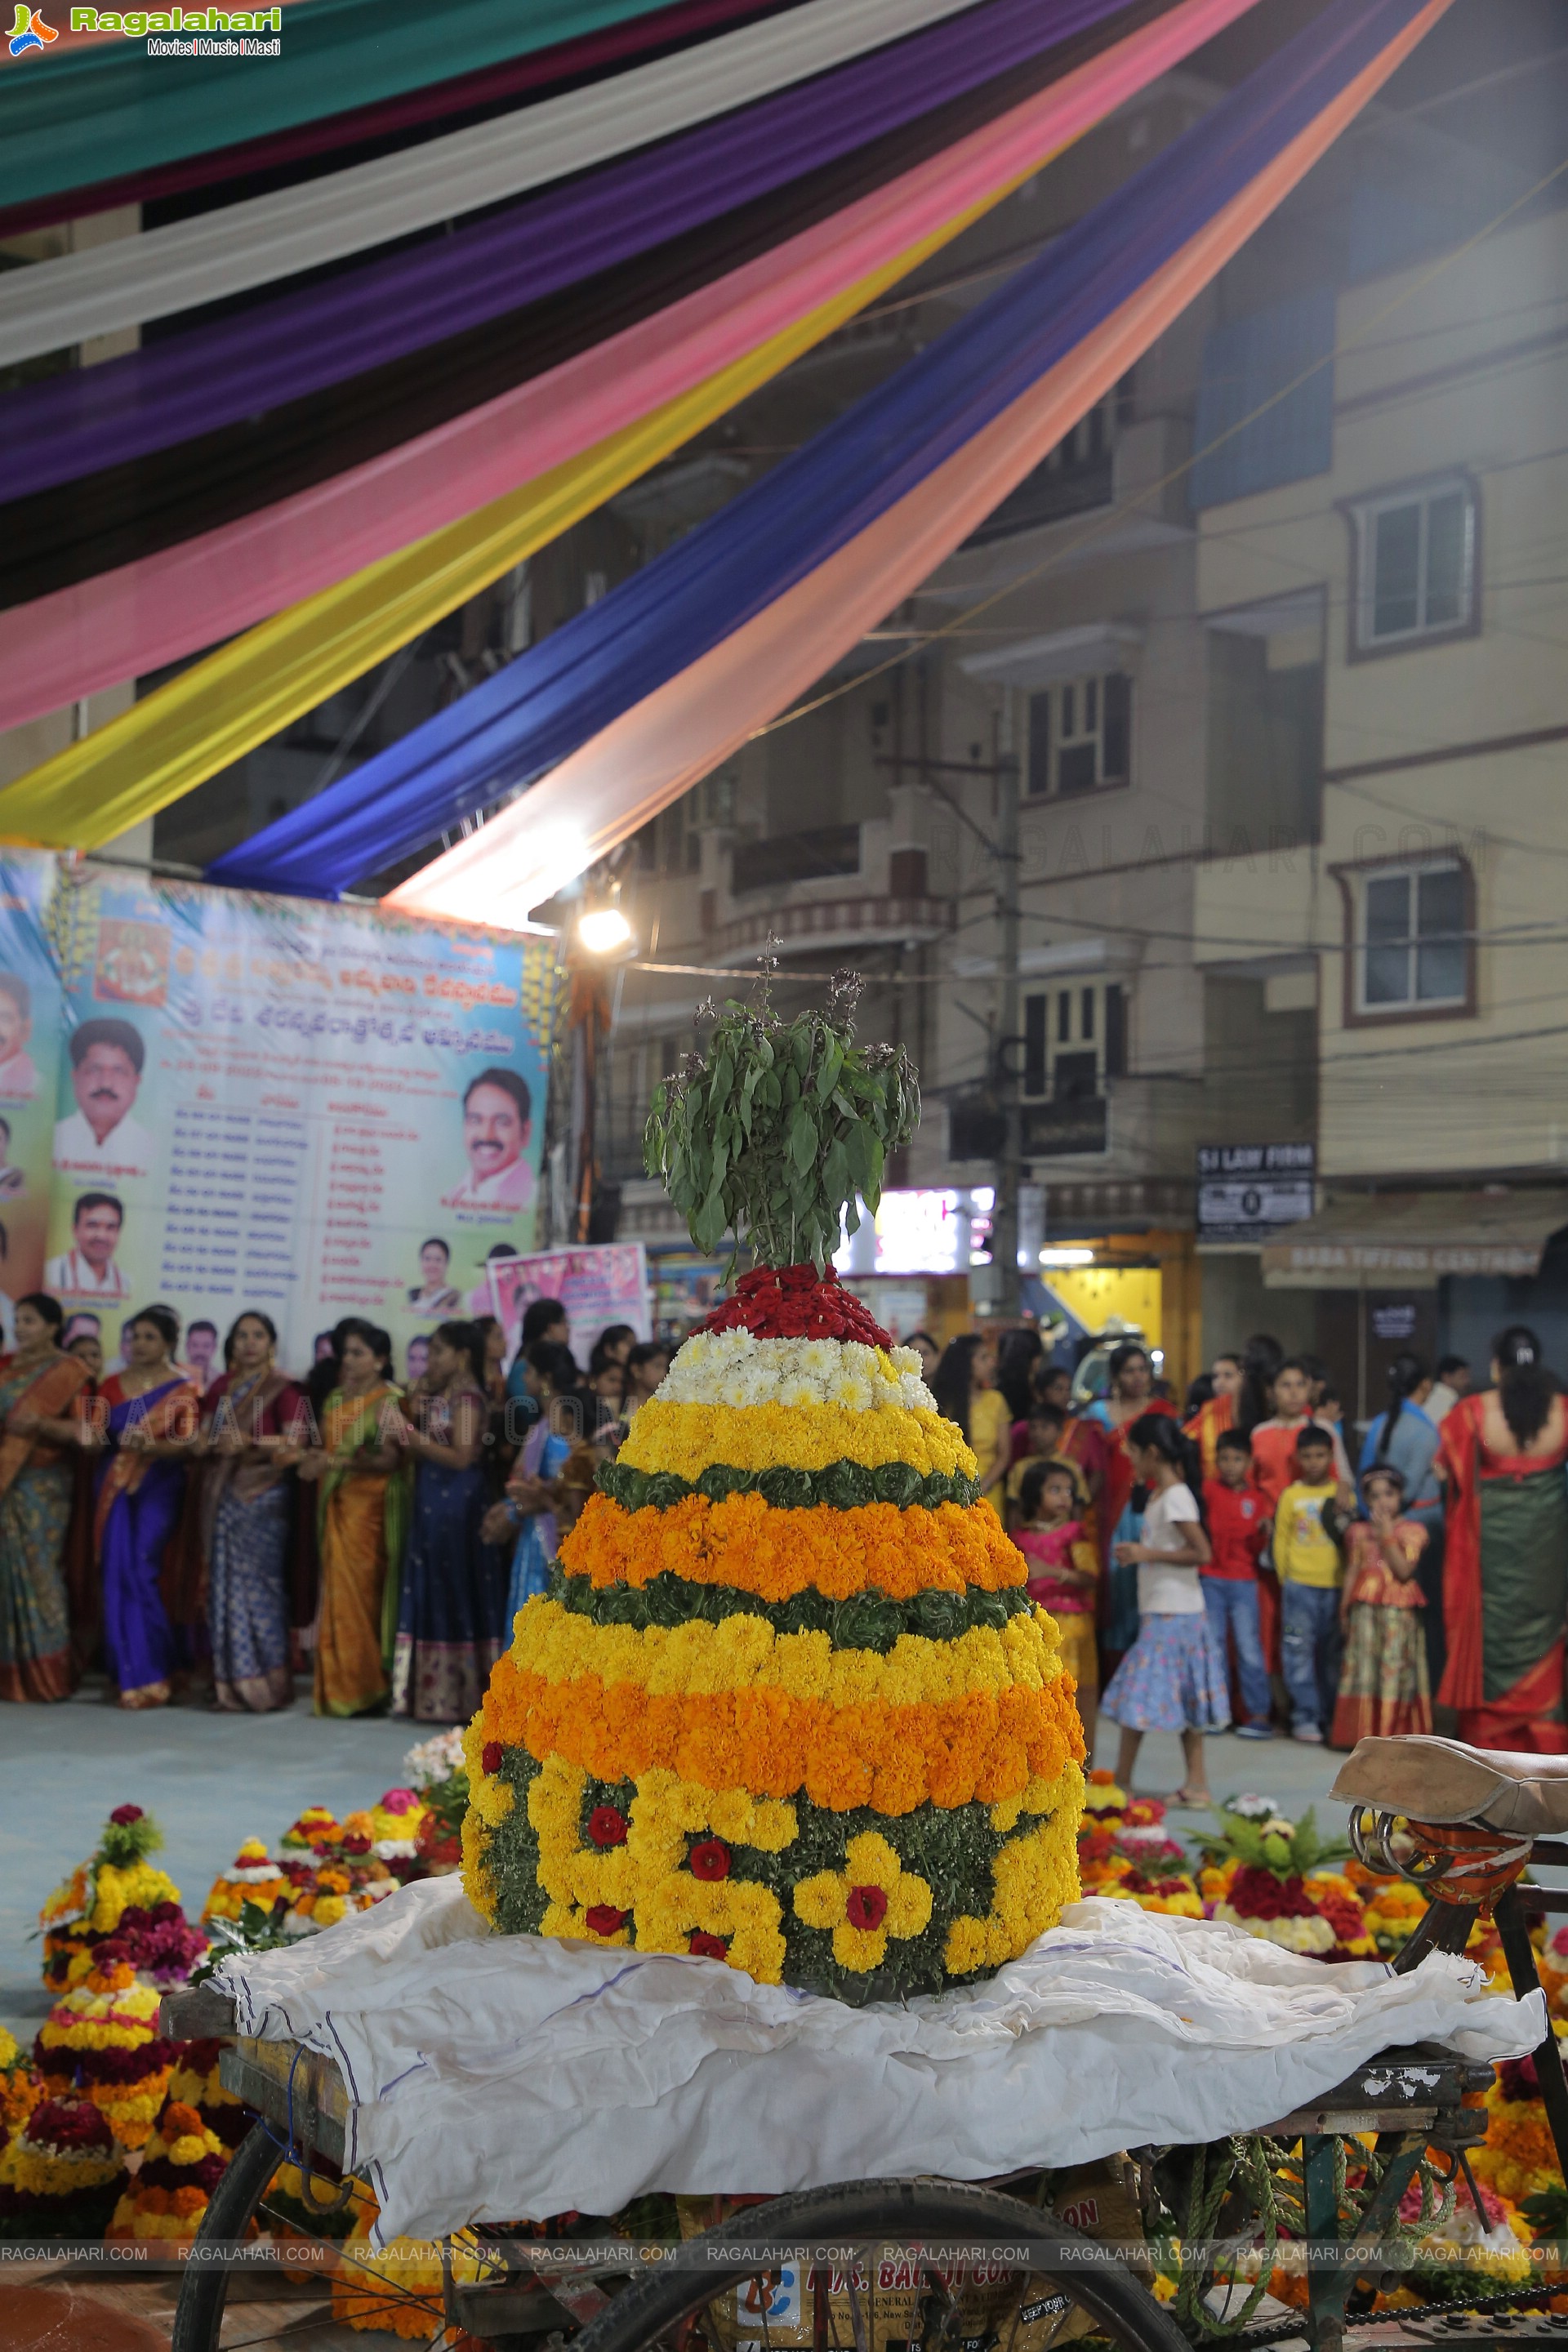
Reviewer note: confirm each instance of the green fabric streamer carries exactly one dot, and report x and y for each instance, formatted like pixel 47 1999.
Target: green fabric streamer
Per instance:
pixel 72 117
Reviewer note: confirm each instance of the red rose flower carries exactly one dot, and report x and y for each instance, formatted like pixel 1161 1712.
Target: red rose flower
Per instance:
pixel 124 1813
pixel 866 1907
pixel 608 1827
pixel 491 1756
pixel 604 1919
pixel 707 1946
pixel 711 1859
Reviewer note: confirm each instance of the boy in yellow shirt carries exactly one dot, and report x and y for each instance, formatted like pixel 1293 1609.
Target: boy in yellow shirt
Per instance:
pixel 1311 1570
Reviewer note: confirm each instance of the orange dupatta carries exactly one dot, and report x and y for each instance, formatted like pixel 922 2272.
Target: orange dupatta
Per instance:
pixel 50 1395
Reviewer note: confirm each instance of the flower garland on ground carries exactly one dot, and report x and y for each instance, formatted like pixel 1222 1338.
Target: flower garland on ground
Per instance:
pixel 787 1704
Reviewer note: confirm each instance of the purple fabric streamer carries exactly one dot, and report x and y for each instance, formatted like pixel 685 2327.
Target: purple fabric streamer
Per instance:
pixel 62 427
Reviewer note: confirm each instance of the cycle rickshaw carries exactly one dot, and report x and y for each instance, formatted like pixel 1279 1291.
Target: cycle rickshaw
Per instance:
pixel 1462 1823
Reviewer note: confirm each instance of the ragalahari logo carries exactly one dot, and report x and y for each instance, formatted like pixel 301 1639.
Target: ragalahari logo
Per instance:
pixel 30 31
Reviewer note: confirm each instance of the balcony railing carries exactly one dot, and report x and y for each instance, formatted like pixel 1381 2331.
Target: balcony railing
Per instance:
pixel 814 855
pixel 1057 1129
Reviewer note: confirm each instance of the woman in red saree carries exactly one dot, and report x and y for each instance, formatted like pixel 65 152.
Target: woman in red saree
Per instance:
pixel 1505 1572
pixel 1129 1396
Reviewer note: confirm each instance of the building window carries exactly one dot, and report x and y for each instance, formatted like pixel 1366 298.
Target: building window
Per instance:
pixel 1081 735
pixel 1417 552
pixel 1414 951
pixel 1074 1039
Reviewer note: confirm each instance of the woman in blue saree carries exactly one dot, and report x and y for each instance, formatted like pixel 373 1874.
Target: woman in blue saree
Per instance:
pixel 450 1626
pixel 152 1423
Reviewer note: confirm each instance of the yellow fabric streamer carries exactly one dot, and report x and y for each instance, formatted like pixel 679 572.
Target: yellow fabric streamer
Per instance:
pixel 253 687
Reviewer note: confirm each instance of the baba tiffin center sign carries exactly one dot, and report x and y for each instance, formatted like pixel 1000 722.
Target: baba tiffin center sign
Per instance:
pixel 1412 1240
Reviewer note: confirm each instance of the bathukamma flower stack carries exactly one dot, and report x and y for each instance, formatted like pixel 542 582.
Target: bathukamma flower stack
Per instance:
pixel 789 1704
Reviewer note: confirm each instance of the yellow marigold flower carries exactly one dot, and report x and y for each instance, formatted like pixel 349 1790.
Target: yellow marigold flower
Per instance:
pixel 690 1438
pixel 871 1898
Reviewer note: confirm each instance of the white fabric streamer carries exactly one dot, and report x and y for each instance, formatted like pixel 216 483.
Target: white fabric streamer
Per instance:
pixel 54 303
pixel 506 2078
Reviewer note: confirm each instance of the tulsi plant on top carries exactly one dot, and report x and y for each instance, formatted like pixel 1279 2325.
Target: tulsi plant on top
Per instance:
pixel 779 1128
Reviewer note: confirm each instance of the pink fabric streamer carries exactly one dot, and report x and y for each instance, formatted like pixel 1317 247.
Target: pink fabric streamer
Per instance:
pixel 658 750
pixel 142 615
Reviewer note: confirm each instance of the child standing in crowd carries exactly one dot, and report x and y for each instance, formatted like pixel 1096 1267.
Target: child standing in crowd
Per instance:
pixel 1306 1557
pixel 1063 1572
pixel 1042 1444
pixel 1383 1685
pixel 1238 1528
pixel 1172 1678
pixel 1274 1441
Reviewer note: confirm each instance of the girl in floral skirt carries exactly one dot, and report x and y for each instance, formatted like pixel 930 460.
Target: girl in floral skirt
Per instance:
pixel 1383 1686
pixel 1174 1677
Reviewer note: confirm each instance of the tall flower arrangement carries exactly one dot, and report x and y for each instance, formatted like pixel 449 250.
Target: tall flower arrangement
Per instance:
pixel 117 1893
pixel 788 1706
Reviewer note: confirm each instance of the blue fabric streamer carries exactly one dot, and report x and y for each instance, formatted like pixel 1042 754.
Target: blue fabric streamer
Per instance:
pixel 533 714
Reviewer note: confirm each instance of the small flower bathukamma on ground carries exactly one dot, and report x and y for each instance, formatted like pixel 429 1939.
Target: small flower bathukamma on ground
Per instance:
pixel 118 1886
pixel 100 2041
pixel 180 2166
pixel 788 1705
pixel 62 2173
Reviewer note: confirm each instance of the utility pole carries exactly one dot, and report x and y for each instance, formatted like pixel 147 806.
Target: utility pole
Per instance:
pixel 1009 1171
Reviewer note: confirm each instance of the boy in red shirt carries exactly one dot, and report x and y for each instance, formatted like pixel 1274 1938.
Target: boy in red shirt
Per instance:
pixel 1238 1528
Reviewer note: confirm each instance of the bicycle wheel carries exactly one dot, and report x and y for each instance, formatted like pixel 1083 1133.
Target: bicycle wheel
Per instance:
pixel 239 2198
pixel 1043 2299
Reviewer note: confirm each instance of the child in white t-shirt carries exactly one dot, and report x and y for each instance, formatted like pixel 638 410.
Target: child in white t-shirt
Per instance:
pixel 1174 1677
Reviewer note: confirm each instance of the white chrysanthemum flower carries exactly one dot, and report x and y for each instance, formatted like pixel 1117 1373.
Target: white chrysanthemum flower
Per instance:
pixel 733 1367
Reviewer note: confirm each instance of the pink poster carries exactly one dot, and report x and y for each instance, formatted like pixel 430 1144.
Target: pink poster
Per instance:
pixel 604 1284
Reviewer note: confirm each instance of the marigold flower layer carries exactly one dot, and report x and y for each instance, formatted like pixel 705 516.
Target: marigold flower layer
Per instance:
pixel 746 1543
pixel 686 1438
pixel 987 1743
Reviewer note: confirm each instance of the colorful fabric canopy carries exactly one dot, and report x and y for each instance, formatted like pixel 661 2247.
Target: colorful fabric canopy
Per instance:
pixel 142 615
pixel 216 254
pixel 213 713
pixel 667 616
pixel 109 107
pixel 647 758
pixel 60 428
pixel 427 102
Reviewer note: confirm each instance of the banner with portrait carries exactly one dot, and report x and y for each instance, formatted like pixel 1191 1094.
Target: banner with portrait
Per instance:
pixel 598 1285
pixel 309 1109
pixel 29 1039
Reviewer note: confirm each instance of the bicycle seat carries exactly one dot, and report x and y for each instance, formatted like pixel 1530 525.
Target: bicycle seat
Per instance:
pixel 1432 1780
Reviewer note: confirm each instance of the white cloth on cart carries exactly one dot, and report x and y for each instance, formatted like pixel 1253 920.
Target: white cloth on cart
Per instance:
pixel 510 2077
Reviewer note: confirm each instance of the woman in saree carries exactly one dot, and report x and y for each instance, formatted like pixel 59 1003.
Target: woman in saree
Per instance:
pixel 246 1514
pixel 360 1523
pixel 1505 1580
pixel 38 1390
pixel 450 1626
pixel 147 1438
pixel 1130 1395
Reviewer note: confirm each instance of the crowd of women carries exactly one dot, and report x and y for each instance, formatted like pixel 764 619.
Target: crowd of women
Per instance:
pixel 181 1538
pixel 1211 1563
pixel 1222 1562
